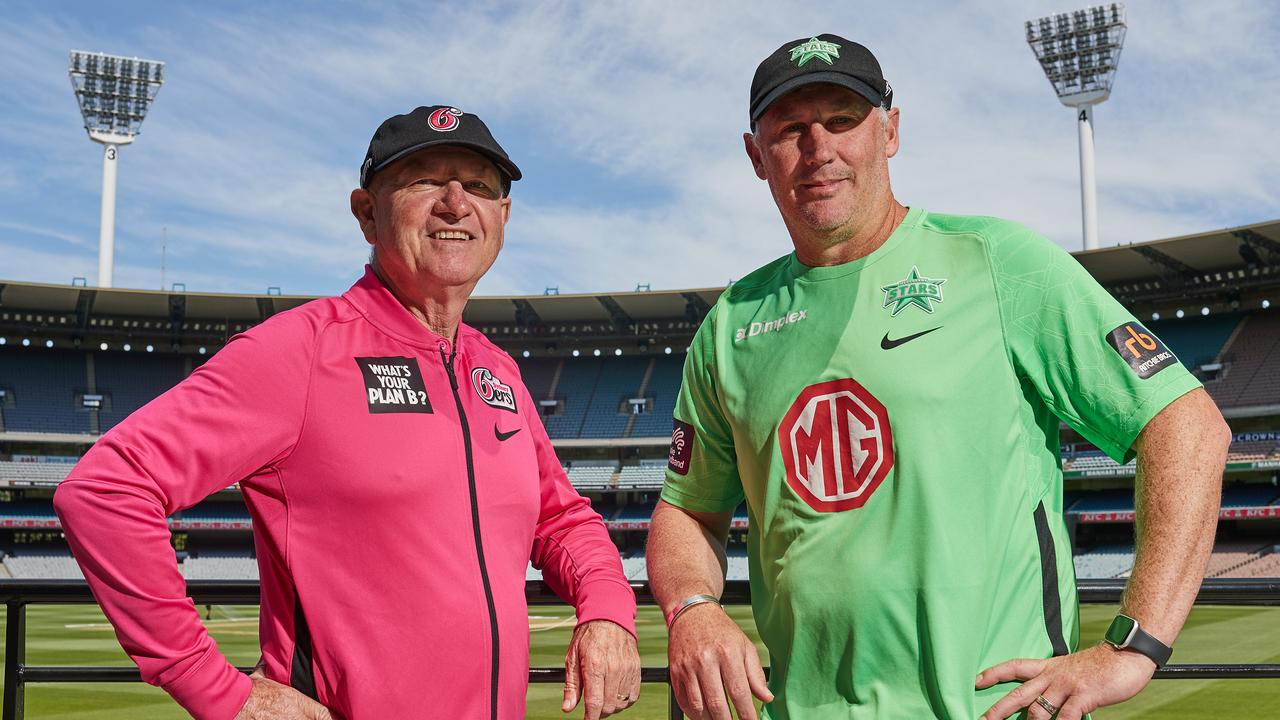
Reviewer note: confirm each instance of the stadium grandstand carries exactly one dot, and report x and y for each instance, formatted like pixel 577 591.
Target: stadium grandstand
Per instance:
pixel 605 371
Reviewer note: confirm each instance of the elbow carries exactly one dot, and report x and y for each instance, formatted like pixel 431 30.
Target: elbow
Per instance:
pixel 1218 432
pixel 66 499
pixel 1224 433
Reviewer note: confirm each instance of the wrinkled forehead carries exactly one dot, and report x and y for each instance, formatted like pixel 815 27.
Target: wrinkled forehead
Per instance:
pixel 453 159
pixel 813 99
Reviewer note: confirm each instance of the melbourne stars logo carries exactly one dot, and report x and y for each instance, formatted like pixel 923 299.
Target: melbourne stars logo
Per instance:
pixel 815 48
pixel 913 290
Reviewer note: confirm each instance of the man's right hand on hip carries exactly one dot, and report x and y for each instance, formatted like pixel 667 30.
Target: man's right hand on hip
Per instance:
pixel 269 700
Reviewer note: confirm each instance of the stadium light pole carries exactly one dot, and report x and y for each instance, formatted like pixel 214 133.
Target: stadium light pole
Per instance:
pixel 1079 53
pixel 114 94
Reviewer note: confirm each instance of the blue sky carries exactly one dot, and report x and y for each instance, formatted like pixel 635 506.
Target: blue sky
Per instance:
pixel 626 119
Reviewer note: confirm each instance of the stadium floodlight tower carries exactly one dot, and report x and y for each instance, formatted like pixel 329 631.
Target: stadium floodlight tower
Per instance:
pixel 1079 52
pixel 114 94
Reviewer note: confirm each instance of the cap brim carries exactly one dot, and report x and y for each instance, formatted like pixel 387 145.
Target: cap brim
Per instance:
pixel 833 78
pixel 504 165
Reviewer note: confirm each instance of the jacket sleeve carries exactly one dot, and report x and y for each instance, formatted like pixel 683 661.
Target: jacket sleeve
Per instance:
pixel 231 419
pixel 571 545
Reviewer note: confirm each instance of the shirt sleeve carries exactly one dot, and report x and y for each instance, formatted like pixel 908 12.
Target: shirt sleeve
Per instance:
pixel 571 546
pixel 702 467
pixel 1087 358
pixel 234 416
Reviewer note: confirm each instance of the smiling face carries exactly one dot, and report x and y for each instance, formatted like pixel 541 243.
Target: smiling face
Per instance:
pixel 824 151
pixel 435 219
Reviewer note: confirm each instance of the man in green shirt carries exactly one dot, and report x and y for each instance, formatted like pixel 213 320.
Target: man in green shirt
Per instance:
pixel 886 400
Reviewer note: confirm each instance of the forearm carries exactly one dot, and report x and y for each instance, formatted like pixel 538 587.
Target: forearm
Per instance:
pixel 685 554
pixel 121 540
pixel 581 565
pixel 1181 455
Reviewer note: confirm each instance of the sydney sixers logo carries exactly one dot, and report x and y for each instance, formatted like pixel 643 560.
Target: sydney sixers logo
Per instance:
pixel 836 445
pixel 444 119
pixel 492 390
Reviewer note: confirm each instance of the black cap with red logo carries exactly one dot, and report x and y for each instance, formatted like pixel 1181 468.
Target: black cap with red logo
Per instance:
pixel 822 58
pixel 425 127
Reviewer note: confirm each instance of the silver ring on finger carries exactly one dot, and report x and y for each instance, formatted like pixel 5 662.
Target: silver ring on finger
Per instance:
pixel 1047 706
pixel 623 698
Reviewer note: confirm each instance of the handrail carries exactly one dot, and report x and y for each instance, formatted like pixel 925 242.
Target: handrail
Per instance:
pixel 17 593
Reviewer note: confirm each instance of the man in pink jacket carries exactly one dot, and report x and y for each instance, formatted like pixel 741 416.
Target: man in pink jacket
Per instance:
pixel 398 476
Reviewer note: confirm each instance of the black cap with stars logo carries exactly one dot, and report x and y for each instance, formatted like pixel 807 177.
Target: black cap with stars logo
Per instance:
pixel 823 58
pixel 426 127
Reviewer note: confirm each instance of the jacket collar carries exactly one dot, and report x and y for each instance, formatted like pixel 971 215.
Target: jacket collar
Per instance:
pixel 375 301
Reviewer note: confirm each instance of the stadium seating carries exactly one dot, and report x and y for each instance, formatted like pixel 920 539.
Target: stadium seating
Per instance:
pixel 1255 450
pixel 1249 495
pixel 592 474
pixel 635 567
pixel 664 386
pixel 1251 376
pixel 635 512
pixel 42 564
pixel 220 566
pixel 648 475
pixel 538 374
pixel 1103 501
pixel 133 380
pixel 1266 566
pixel 737 563
pixel 1100 465
pixel 1108 561
pixel 593 392
pixel 42 385
pixel 1227 557
pixel 619 379
pixel 578 377
pixel 27 510
pixel 1196 339
pixel 30 473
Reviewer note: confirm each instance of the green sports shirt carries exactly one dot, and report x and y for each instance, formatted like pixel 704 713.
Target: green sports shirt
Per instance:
pixel 892 425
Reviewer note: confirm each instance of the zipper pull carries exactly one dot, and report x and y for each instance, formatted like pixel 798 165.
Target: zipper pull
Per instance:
pixel 447 358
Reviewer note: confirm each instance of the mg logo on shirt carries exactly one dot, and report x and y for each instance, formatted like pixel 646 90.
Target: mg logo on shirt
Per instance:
pixel 836 445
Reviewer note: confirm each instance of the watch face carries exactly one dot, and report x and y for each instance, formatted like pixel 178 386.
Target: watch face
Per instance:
pixel 1121 627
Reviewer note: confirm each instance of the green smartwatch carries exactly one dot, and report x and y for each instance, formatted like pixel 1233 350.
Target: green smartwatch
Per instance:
pixel 1124 634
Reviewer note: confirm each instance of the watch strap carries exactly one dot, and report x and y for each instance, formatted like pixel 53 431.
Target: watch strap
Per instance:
pixel 1143 642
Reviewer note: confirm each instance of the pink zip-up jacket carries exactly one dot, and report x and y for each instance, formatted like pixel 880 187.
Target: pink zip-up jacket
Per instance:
pixel 398 486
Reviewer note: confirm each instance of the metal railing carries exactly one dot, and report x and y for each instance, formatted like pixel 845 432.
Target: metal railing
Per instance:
pixel 17 594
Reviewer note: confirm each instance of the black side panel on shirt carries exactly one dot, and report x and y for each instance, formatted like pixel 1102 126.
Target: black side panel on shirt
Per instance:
pixel 1049 580
pixel 302 676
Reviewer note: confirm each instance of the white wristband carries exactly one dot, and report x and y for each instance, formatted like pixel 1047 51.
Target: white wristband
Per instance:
pixel 689 602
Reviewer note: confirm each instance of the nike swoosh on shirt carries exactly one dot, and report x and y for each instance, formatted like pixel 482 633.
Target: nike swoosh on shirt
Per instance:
pixel 503 435
pixel 887 344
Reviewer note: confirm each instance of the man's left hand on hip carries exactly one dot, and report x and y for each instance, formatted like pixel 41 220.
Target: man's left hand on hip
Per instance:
pixel 1076 684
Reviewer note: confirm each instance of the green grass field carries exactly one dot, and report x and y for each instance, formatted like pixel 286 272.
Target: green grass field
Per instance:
pixel 78 635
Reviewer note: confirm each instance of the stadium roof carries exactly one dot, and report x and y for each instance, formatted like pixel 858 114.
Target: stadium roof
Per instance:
pixel 1231 259
pixel 1227 260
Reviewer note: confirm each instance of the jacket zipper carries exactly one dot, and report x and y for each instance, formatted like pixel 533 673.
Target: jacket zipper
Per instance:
pixel 475 527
